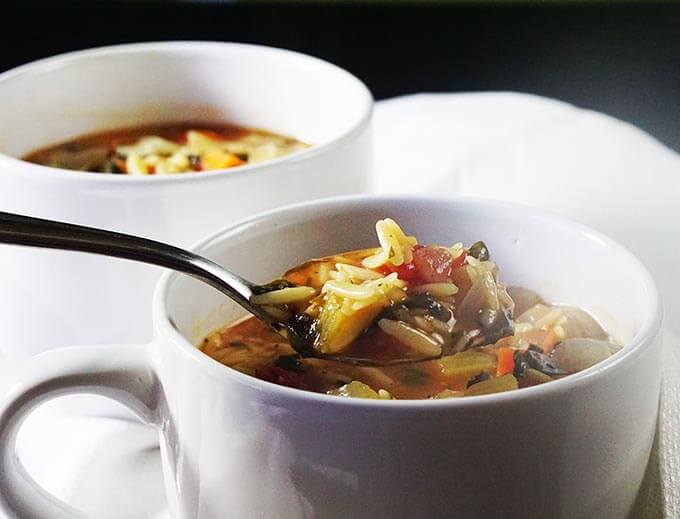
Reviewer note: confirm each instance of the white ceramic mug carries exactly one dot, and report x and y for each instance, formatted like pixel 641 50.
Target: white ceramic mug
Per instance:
pixel 84 299
pixel 236 446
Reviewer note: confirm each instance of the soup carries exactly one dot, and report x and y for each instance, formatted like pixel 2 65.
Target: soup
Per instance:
pixel 166 149
pixel 437 320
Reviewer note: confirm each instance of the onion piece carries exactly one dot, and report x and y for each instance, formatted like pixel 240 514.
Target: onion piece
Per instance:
pixel 524 299
pixel 574 355
pixel 482 294
pixel 549 320
pixel 414 339
pixel 535 313
pixel 580 324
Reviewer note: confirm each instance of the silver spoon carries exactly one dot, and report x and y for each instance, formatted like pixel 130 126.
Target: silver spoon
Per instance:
pixel 36 232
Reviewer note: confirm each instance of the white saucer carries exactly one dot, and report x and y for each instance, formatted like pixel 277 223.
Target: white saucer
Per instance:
pixel 523 148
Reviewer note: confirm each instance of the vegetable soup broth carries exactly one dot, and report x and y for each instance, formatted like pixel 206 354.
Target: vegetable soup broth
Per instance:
pixel 443 308
pixel 166 149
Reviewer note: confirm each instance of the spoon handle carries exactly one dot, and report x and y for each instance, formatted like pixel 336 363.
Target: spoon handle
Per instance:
pixel 35 232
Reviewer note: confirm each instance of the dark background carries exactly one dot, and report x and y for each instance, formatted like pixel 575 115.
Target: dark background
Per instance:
pixel 622 59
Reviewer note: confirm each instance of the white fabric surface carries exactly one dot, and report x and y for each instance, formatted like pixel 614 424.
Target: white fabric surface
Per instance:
pixel 587 166
pixel 584 165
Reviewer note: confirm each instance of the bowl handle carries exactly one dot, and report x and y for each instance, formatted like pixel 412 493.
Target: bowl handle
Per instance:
pixel 121 372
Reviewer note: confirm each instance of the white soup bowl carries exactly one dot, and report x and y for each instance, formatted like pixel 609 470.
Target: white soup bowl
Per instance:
pixel 54 298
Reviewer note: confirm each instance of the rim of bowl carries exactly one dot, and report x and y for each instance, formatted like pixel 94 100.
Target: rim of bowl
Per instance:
pixel 45 64
pixel 643 339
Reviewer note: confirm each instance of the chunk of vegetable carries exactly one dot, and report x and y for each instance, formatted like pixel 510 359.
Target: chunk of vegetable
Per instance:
pixel 580 323
pixel 524 299
pixel 477 379
pixel 218 159
pixel 358 389
pixel 431 305
pixel 480 251
pixel 303 333
pixel 534 313
pixel 433 264
pixel 418 342
pixel 277 284
pixel 544 339
pixel 151 145
pixel 505 362
pixel 574 355
pixel 338 325
pixel 493 385
pixel 533 377
pixel 536 359
pixel 482 294
pixel 467 364
pixel 405 271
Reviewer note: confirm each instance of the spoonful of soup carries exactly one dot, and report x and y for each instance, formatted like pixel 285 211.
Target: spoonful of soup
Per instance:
pixel 441 313
pixel 339 308
pixel 410 320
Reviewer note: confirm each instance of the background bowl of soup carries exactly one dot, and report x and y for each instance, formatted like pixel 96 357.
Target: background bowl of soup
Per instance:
pixel 191 85
pixel 236 446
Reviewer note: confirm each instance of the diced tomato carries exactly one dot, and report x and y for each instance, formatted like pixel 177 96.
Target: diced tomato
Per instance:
pixel 505 361
pixel 460 260
pixel 281 376
pixel 433 264
pixel 429 265
pixel 406 272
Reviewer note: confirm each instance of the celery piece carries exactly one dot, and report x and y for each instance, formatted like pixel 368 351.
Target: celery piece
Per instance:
pixel 493 385
pixel 467 363
pixel 355 389
pixel 339 327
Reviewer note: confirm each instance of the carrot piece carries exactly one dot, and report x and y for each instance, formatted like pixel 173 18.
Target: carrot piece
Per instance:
pixel 505 361
pixel 218 159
